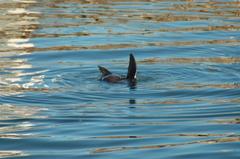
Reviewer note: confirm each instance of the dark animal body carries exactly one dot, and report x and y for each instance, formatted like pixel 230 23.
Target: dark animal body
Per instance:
pixel 114 78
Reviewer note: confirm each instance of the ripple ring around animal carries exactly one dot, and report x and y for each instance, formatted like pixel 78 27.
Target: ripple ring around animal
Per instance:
pixel 115 78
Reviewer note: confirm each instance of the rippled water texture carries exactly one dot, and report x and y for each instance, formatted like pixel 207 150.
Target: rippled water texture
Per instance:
pixel 186 103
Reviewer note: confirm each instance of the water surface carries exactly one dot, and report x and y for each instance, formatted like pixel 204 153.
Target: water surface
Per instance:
pixel 186 103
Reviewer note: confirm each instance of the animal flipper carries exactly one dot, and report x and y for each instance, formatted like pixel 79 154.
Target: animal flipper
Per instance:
pixel 104 71
pixel 132 68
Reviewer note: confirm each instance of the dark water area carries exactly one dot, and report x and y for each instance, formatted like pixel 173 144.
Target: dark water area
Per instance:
pixel 186 102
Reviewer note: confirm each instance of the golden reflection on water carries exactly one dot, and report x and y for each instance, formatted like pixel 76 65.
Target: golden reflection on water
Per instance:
pixel 5 154
pixel 130 33
pixel 9 82
pixel 19 43
pixel 226 139
pixel 22 22
pixel 228 121
pixel 222 60
pixel 11 112
pixel 17 25
pixel 18 29
pixel 201 85
pixel 8 111
pixel 127 45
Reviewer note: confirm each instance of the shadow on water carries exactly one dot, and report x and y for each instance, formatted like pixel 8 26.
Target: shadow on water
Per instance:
pixel 132 101
pixel 132 84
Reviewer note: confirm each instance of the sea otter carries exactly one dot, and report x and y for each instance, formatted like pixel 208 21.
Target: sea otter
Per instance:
pixel 114 78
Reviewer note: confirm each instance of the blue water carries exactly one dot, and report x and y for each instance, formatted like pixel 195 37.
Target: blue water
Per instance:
pixel 186 103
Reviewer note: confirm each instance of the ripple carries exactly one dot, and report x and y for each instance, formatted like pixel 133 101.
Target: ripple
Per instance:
pixel 4 154
pixel 213 141
pixel 26 48
pixel 160 135
pixel 185 103
pixel 92 17
pixel 228 121
pixel 19 136
pixel 16 112
pixel 221 60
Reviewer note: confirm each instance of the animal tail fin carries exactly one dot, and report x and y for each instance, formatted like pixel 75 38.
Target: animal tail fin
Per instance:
pixel 104 71
pixel 132 68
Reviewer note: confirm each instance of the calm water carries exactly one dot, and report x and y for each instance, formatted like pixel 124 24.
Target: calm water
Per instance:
pixel 186 103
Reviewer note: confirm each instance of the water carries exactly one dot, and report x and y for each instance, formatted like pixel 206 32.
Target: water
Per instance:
pixel 186 103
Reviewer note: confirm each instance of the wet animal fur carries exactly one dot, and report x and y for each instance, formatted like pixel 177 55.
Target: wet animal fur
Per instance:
pixel 114 78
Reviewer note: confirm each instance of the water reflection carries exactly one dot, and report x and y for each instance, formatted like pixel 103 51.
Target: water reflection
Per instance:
pixel 16 112
pixel 187 94
pixel 132 84
pixel 132 101
pixel 152 147
pixel 19 26
pixel 228 121
pixel 15 122
pixel 13 113
pixel 91 16
pixel 21 23
pixel 20 43
pixel 220 60
pixel 13 72
pixel 6 154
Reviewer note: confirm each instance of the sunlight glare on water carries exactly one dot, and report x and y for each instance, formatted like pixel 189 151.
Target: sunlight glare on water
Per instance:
pixel 186 101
